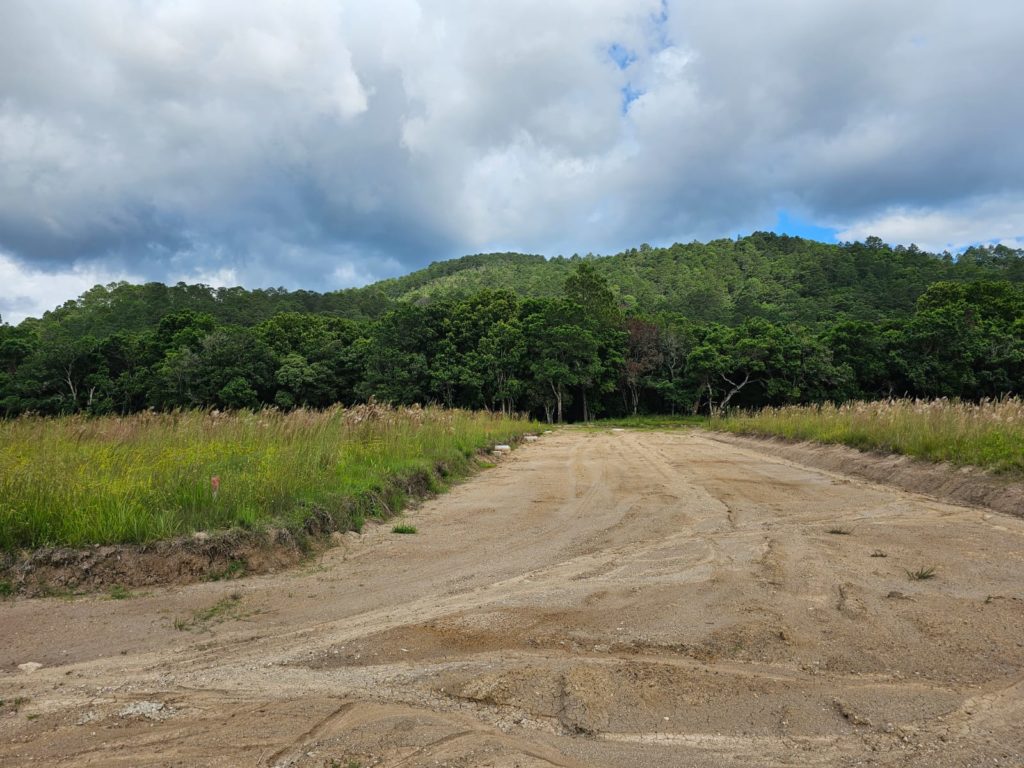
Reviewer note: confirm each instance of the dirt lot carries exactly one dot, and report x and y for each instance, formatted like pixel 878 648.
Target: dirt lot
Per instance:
pixel 599 599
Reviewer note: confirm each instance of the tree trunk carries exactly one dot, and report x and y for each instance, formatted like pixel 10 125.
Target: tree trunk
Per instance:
pixel 735 388
pixel 558 399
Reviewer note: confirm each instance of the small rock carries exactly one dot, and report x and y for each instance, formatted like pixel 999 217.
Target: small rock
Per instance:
pixel 30 666
pixel 502 448
pixel 530 438
pixel 200 536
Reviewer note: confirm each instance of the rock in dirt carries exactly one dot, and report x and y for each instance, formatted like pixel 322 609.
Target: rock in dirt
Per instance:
pixel 30 666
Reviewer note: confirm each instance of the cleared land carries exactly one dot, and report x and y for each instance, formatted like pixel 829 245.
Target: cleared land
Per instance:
pixel 598 599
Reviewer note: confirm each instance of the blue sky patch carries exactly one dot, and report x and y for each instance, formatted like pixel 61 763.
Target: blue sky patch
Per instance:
pixel 629 95
pixel 787 224
pixel 621 55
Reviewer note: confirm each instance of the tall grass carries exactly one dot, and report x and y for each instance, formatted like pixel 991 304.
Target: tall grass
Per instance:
pixel 989 434
pixel 77 481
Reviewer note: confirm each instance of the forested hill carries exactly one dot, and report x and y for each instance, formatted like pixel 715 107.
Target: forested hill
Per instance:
pixel 774 277
pixel 758 320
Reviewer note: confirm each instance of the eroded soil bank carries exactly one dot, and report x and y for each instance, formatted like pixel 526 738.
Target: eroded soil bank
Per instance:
pixel 598 599
pixel 213 556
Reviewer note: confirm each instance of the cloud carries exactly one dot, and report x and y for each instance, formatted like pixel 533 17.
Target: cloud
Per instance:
pixel 326 143
pixel 29 292
pixel 987 220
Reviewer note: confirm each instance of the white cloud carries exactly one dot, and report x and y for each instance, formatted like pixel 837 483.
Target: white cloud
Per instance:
pixel 29 292
pixel 981 221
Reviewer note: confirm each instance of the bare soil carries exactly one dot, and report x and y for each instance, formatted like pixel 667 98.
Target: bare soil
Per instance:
pixel 598 599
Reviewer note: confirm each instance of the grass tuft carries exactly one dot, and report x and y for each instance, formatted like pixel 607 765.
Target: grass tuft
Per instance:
pixel 837 531
pixel 224 609
pixel 404 528
pixel 233 570
pixel 15 704
pixel 921 574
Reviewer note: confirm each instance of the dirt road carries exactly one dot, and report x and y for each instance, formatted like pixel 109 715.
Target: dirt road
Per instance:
pixel 598 599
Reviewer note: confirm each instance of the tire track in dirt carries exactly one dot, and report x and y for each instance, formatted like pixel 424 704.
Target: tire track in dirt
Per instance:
pixel 598 599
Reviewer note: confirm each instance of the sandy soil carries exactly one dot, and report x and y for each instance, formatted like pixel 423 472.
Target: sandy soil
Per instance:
pixel 598 599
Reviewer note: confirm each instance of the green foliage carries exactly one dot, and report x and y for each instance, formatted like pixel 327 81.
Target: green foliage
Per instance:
pixel 404 528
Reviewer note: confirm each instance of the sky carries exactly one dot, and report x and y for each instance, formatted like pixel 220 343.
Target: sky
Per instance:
pixel 325 144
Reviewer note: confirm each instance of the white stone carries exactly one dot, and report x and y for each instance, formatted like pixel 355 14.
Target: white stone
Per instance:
pixel 30 666
pixel 502 448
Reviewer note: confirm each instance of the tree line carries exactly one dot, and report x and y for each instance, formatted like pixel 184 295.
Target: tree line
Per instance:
pixel 580 350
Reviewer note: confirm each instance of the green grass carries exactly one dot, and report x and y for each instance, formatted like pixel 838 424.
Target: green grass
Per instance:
pixel 989 434
pixel 233 570
pixel 921 574
pixel 404 528
pixel 225 609
pixel 77 481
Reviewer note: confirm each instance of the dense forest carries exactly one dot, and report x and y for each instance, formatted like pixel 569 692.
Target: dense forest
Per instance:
pixel 764 319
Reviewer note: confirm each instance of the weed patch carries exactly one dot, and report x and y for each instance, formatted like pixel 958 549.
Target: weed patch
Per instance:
pixel 77 481
pixel 403 528
pixel 921 574
pixel 233 570
pixel 13 705
pixel 225 609
pixel 989 434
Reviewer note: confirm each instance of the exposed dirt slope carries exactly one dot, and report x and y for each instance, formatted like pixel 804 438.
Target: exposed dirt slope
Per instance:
pixel 599 599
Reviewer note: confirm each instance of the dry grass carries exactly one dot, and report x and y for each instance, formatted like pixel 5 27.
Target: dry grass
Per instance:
pixel 988 434
pixel 78 481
